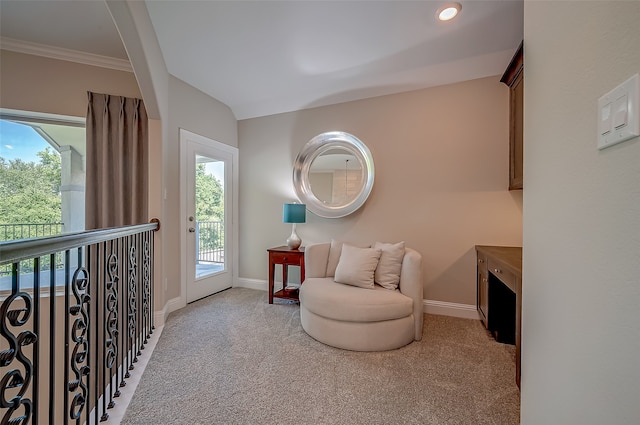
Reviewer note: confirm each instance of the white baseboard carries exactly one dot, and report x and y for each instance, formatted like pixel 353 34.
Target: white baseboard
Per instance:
pixel 464 311
pixel 261 285
pixel 160 317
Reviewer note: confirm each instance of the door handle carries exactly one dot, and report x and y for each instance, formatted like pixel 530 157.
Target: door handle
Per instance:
pixel 192 230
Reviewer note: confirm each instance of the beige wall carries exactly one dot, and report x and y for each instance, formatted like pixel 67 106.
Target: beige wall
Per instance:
pixel 441 158
pixel 38 84
pixel 581 282
pixel 192 110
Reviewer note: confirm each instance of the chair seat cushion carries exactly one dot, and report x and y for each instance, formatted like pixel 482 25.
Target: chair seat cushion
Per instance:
pixel 332 300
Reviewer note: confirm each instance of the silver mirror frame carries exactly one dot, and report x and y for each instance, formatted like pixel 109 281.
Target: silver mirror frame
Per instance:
pixel 316 147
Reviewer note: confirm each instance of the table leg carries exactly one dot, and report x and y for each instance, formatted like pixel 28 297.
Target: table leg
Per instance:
pixel 285 269
pixel 272 267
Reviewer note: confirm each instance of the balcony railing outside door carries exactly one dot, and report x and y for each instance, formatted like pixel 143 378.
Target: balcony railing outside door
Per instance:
pixel 210 241
pixel 12 232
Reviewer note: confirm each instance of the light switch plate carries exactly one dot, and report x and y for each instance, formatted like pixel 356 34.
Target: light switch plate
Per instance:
pixel 613 111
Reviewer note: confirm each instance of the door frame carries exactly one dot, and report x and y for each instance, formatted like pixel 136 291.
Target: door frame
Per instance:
pixel 185 137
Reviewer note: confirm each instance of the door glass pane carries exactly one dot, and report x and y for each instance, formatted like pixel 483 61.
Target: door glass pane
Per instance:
pixel 209 198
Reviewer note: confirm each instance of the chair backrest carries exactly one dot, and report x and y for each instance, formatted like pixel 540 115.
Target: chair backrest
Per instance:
pixel 411 285
pixel 316 257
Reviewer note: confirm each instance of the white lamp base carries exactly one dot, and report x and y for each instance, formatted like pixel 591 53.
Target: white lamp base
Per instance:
pixel 294 240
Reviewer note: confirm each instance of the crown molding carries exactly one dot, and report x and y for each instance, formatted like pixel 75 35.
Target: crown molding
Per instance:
pixel 60 53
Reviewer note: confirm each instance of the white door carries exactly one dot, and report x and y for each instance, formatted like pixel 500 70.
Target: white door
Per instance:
pixel 208 234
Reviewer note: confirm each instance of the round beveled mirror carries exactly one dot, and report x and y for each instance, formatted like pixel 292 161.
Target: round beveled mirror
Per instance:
pixel 333 174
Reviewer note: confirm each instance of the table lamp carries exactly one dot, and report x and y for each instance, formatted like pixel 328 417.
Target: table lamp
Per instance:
pixel 294 213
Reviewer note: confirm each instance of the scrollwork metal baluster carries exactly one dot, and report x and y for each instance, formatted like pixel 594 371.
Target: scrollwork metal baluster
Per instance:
pixel 78 386
pixel 139 293
pixel 111 326
pixel 146 288
pixel 17 317
pixel 133 269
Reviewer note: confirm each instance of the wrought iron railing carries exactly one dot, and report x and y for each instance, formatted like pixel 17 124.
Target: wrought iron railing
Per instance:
pixel 69 337
pixel 210 241
pixel 11 232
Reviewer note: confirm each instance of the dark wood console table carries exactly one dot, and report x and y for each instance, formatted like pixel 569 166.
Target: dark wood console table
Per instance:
pixel 286 257
pixel 499 299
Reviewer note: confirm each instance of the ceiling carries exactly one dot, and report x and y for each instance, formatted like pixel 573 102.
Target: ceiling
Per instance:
pixel 82 25
pixel 266 57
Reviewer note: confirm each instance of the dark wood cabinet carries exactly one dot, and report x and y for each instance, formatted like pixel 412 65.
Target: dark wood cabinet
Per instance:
pixel 500 294
pixel 514 78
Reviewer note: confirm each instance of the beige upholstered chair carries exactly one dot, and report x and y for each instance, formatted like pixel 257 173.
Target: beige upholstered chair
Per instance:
pixel 356 318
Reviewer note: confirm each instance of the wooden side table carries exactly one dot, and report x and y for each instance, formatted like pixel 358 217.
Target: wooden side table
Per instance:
pixel 286 257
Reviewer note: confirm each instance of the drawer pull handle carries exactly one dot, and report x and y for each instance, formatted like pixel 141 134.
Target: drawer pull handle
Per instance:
pixel 497 270
pixel 481 261
pixel 285 258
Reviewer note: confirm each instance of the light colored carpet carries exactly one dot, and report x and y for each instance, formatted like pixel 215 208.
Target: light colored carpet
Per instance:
pixel 234 359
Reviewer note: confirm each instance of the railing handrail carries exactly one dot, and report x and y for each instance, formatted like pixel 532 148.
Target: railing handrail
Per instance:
pixel 24 249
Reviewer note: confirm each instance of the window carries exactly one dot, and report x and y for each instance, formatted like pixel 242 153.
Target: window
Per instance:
pixel 42 176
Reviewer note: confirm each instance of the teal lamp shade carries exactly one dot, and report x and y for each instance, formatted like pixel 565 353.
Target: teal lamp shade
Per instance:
pixel 294 213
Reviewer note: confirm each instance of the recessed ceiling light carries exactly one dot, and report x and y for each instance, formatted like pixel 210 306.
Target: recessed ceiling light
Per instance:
pixel 448 12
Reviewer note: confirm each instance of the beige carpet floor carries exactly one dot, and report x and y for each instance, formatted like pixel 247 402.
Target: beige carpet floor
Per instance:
pixel 234 359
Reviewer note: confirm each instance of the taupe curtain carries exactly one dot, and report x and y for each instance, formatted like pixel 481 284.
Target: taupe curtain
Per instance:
pixel 116 163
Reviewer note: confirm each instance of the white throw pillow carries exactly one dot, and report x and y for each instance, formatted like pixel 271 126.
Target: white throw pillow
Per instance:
pixel 387 273
pixel 334 256
pixel 357 266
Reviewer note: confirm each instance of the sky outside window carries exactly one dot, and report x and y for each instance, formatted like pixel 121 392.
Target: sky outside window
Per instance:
pixel 18 141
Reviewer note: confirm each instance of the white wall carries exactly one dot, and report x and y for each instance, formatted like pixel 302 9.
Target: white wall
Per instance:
pixel 581 282
pixel 441 159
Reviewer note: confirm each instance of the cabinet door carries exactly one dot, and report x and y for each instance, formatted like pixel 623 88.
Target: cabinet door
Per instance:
pixel 483 290
pixel 483 297
pixel 514 78
pixel 515 136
